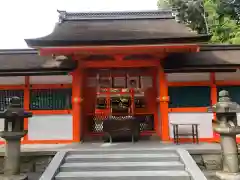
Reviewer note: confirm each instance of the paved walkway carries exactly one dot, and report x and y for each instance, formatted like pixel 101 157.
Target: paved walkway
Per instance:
pixel 49 149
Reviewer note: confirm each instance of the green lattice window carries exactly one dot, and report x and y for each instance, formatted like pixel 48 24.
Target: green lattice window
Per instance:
pixel 50 99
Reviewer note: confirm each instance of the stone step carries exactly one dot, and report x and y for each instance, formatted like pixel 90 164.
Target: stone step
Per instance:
pixel 122 157
pixel 122 151
pixel 122 166
pixel 124 175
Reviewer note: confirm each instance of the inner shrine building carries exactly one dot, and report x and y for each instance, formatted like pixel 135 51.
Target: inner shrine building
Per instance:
pixel 100 64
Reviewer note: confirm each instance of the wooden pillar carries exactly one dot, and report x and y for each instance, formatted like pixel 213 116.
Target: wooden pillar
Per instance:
pixel 26 104
pixel 76 103
pixel 213 99
pixel 163 107
pixel 156 108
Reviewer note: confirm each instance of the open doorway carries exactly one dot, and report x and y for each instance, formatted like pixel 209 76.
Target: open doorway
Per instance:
pixel 119 94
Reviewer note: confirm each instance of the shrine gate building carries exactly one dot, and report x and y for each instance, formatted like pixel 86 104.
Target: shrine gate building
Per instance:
pixel 75 77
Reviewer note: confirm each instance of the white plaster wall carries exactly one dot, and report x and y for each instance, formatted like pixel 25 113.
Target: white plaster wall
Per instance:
pixel 188 77
pixel 59 79
pixel 227 76
pixel 16 80
pixel 50 127
pixel 204 120
pixel 1 127
pixel 238 118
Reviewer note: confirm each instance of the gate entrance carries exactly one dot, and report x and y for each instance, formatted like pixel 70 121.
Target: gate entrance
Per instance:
pixel 119 94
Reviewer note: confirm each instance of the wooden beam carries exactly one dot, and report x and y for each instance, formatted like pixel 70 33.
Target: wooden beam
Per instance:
pixel 120 64
pixel 129 49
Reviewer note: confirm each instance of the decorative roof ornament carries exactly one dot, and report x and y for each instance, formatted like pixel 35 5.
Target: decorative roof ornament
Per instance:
pixel 55 61
pixel 62 16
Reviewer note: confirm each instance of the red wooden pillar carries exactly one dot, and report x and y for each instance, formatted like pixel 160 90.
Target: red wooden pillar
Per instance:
pixel 214 99
pixel 76 103
pixel 164 100
pixel 26 104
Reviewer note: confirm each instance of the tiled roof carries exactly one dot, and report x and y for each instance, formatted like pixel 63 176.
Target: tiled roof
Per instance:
pixel 210 56
pixel 117 28
pixel 19 60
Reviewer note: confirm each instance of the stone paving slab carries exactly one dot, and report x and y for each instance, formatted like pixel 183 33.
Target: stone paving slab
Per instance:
pixel 51 149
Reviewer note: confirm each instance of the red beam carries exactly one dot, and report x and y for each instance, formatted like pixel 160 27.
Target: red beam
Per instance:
pixel 118 64
pixel 87 50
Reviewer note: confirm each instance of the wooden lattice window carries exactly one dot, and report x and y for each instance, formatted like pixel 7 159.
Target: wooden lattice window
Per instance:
pixel 6 95
pixel 51 99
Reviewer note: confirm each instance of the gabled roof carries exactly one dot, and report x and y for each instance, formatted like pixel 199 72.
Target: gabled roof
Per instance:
pixel 117 28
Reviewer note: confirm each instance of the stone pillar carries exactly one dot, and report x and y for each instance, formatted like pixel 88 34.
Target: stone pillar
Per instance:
pixel 226 125
pixel 12 156
pixel 13 132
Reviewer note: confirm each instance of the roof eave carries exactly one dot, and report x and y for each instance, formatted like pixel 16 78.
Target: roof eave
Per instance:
pixel 33 73
pixel 37 43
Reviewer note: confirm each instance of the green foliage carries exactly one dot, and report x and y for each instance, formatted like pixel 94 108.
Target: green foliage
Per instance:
pixel 217 17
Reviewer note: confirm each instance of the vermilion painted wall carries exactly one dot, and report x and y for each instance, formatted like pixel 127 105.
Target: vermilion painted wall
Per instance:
pixel 58 126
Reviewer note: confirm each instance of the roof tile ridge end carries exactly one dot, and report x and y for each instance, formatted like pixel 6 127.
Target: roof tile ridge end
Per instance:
pixel 62 16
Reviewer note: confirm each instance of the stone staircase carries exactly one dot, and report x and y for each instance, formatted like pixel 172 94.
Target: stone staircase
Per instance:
pixel 120 164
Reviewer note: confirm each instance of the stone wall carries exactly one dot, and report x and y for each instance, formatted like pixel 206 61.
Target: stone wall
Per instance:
pixel 31 164
pixel 36 164
pixel 209 162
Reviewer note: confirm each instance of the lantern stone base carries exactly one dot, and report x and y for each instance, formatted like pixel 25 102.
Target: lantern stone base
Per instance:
pixel 12 156
pixel 228 176
pixel 14 177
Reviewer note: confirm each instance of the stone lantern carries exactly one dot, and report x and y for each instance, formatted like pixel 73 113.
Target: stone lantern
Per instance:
pixel 13 132
pixel 226 126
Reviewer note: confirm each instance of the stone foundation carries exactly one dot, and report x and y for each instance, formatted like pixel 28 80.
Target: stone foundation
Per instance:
pixel 34 165
pixel 31 164
pixel 209 162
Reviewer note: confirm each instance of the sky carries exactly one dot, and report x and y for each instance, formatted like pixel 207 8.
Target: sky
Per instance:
pixel 22 19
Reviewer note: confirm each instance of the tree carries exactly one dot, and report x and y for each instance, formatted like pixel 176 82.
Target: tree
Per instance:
pixel 219 17
pixel 189 12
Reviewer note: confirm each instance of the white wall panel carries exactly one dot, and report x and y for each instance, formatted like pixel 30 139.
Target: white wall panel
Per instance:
pixel 227 76
pixel 204 120
pixel 60 79
pixel 2 127
pixel 238 118
pixel 13 80
pixel 50 127
pixel 188 77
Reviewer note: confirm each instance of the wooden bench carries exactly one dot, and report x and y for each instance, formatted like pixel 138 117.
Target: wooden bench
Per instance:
pixel 122 129
pixel 193 133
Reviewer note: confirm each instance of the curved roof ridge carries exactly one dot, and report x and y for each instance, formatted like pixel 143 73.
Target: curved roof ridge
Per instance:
pixel 115 15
